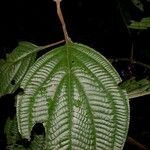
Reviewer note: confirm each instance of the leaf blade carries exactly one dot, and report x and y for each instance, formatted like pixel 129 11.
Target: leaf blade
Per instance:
pixel 80 106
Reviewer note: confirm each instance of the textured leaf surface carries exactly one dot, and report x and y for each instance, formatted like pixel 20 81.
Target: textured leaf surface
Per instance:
pixel 73 91
pixel 16 65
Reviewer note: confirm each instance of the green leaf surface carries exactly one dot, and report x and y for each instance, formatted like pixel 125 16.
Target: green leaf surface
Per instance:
pixel 73 90
pixel 15 66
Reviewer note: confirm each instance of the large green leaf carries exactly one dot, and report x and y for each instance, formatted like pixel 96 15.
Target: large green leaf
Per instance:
pixel 15 66
pixel 74 92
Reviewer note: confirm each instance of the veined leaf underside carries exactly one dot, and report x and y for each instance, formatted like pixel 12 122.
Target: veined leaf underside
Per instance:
pixel 73 91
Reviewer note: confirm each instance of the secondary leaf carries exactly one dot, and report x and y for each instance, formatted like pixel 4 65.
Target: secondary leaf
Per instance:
pixel 15 67
pixel 74 92
pixel 136 88
pixel 140 25
pixel 14 140
pixel 12 134
pixel 138 4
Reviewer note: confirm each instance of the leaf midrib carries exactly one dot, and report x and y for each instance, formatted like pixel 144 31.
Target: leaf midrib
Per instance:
pixel 70 104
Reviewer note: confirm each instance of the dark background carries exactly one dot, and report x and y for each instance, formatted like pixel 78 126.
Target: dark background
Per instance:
pixel 99 24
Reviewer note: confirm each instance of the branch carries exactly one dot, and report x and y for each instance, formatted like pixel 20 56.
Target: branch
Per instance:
pixel 135 88
pixel 132 52
pixel 132 141
pixel 51 45
pixel 61 18
pixel 133 61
